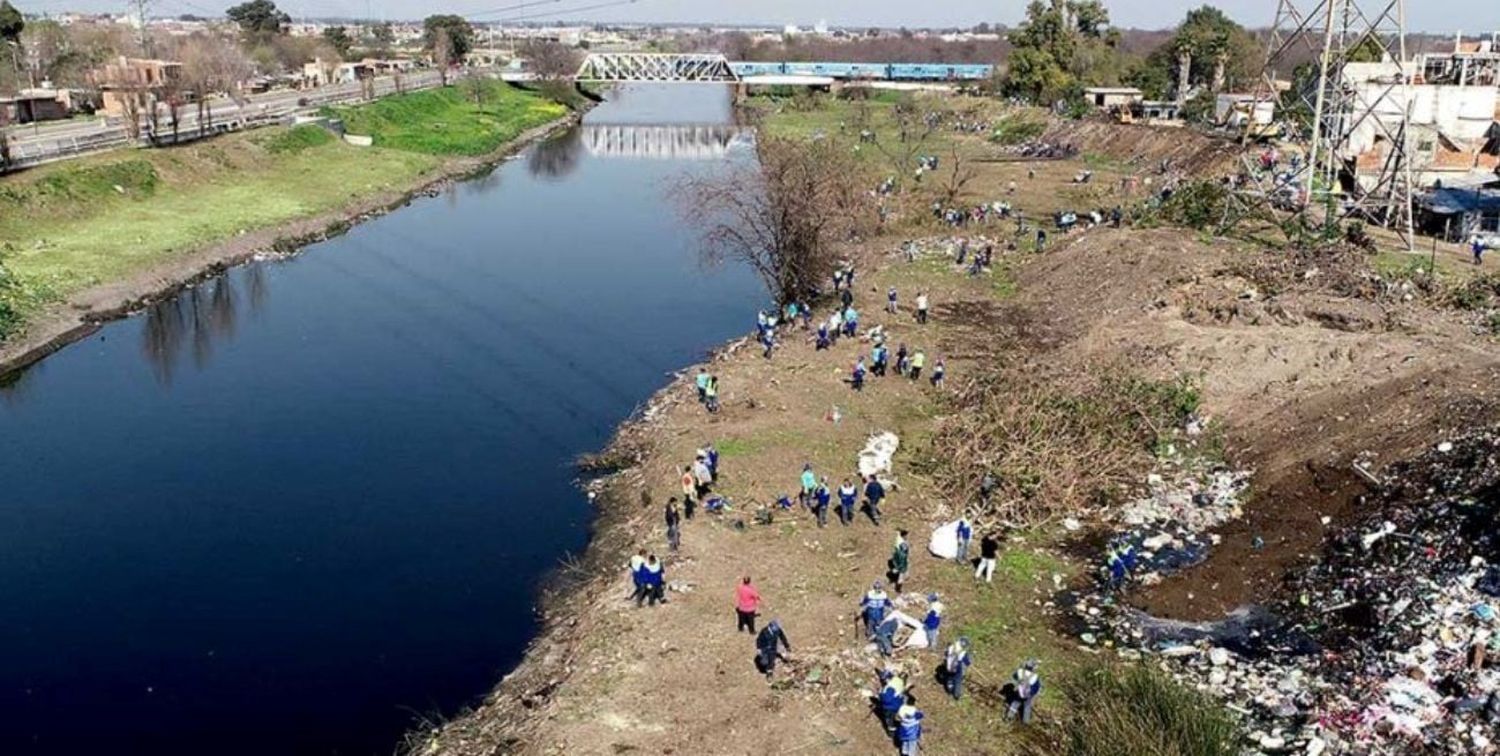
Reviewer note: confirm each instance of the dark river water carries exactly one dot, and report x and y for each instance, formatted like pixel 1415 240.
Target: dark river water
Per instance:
pixel 301 506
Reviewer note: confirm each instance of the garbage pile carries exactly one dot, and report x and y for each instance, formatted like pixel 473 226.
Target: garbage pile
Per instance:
pixel 1406 598
pixel 1389 644
pixel 1167 529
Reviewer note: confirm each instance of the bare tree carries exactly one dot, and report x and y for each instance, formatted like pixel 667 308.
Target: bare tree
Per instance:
pixel 551 61
pixel 782 215
pixel 474 86
pixel 442 56
pixel 4 140
pixel 211 65
pixel 960 173
pixel 912 131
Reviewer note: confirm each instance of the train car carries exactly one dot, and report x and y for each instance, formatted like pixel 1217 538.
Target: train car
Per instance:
pixel 867 71
pixel 748 68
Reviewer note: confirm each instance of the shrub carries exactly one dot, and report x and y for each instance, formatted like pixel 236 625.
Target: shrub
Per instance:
pixel 297 139
pixel 1014 130
pixel 1199 205
pixel 1139 711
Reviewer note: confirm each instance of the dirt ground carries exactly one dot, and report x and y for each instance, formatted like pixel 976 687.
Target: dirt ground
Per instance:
pixel 1303 382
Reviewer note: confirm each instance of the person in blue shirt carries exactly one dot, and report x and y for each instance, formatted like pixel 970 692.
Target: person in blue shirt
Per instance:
pixel 1025 685
pixel 873 608
pixel 711 456
pixel 892 697
pixel 857 378
pixel 823 342
pixel 890 301
pixel 955 663
pixel 932 623
pixel 879 357
pixel 848 493
pixel 784 501
pixel 909 729
pixel 821 497
pixel 874 492
pixel 965 536
pixel 939 372
pixel 638 576
pixel 768 645
pixel 653 576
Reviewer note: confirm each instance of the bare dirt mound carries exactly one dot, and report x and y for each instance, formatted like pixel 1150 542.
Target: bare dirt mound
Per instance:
pixel 1305 379
pixel 1147 146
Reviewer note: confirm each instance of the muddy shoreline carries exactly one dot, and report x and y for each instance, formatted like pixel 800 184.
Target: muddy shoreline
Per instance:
pixel 84 313
pixel 568 598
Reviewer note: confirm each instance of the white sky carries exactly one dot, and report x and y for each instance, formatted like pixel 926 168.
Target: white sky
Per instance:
pixel 1471 16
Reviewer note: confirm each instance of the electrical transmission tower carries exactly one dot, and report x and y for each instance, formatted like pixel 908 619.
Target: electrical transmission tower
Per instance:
pixel 1349 103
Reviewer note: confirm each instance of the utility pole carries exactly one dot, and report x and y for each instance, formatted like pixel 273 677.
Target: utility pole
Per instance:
pixel 1357 148
pixel 142 8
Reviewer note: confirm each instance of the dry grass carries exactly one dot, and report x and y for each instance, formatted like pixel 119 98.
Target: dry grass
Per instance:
pixel 1057 441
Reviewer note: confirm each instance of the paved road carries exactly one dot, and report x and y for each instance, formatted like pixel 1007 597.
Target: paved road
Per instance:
pixel 39 143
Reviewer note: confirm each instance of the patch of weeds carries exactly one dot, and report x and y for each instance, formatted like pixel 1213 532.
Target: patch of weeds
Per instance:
pixel 1478 293
pixel 16 299
pixel 297 139
pixel 1015 130
pixel 1140 711
pixel 738 447
pixel 135 179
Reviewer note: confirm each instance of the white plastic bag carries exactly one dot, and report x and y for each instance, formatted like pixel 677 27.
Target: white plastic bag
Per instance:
pixel 944 541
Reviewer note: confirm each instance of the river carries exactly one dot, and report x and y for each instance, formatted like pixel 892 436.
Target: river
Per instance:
pixel 299 507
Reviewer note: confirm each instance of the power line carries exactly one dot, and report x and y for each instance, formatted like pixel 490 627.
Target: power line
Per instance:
pixel 517 6
pixel 579 9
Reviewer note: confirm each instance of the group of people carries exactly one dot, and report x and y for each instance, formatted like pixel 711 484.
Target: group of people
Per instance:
pixel 708 390
pixel 982 213
pixel 909 364
pixel 880 619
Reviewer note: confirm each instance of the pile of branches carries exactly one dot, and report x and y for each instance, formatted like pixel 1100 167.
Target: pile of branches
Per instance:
pixel 1056 441
pixel 1336 267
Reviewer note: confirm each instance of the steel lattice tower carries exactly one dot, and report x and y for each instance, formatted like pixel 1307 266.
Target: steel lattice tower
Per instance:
pixel 1351 91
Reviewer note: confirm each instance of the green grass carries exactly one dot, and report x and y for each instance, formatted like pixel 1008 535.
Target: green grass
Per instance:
pixel 447 121
pixel 68 226
pixel 297 139
pixel 104 238
pixel 58 190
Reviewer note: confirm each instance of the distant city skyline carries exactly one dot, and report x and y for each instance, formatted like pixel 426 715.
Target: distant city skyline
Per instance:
pixel 1473 17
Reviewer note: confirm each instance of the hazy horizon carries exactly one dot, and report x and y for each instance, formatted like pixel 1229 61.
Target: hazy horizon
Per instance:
pixel 1483 16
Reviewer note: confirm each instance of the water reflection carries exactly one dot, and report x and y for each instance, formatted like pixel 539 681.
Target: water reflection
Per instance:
pixel 192 322
pixel 663 141
pixel 557 157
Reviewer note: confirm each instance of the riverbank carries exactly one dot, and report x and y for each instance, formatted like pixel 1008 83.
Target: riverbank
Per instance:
pixel 1299 366
pixel 96 239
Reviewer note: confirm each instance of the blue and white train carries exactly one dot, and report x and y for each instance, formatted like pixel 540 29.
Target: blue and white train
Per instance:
pixel 868 71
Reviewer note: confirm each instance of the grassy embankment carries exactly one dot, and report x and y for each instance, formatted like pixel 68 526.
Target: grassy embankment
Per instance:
pixel 69 226
pixel 1005 621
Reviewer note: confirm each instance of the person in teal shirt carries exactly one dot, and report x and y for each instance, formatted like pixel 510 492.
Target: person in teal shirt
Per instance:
pixel 809 483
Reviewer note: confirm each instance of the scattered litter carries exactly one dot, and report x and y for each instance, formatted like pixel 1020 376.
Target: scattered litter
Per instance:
pixel 876 456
